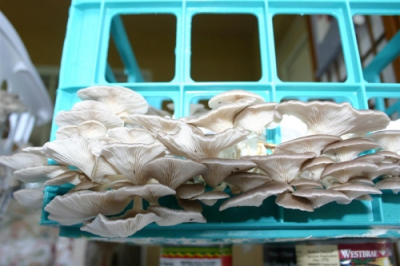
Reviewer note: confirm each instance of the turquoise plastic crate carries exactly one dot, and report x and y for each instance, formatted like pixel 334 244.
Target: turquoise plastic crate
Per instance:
pixel 84 63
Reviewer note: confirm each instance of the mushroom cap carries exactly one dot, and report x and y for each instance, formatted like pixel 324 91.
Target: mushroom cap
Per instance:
pixel 155 123
pixel 313 168
pixel 173 217
pixel 210 198
pixel 371 158
pixel 122 101
pixel 149 192
pixel 348 149
pixel 219 169
pixel 281 167
pixel 91 105
pixel 313 143
pixel 389 183
pixel 157 112
pixel 75 118
pixel 129 159
pixel 71 177
pixel 34 150
pixel 233 96
pixel 365 197
pixel 31 198
pixel 82 205
pixel 88 129
pixel 187 191
pixel 106 227
pixel 256 117
pixel 39 174
pixel 384 169
pixel 389 140
pixel 132 135
pixel 256 196
pixel 173 172
pixel 344 170
pixel 246 181
pixel 390 157
pixel 190 205
pixel 320 197
pixel 23 160
pixel 222 118
pixel 66 132
pixel 305 183
pixel 289 201
pixel 355 190
pixel 334 119
pixel 361 180
pixel 193 145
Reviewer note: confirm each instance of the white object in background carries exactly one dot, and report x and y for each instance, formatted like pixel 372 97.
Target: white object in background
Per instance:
pixel 22 78
pixel 292 128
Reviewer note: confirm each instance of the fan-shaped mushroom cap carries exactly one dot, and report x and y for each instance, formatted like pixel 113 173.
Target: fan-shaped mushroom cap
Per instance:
pixel 389 140
pixel 348 149
pixel 210 198
pixel 365 197
pixel 314 143
pixel 354 190
pixel 233 96
pixel 289 201
pixel 361 180
pixel 390 157
pixel 344 170
pixel 149 192
pixel 71 177
pixel 384 169
pixel 256 196
pixel 281 167
pixel 132 135
pixel 320 197
pixel 129 159
pixel 122 101
pixel 246 181
pixel 219 169
pixel 305 184
pixel 173 217
pixel 79 206
pixel 256 117
pixel 389 183
pixel 34 150
pixel 190 205
pixel 157 112
pixel 222 118
pixel 107 227
pixel 66 132
pixel 39 174
pixel 334 119
pixel 75 118
pixel 91 105
pixel 23 160
pixel 187 191
pixel 31 198
pixel 173 172
pixel 371 158
pixel 313 168
pixel 88 129
pixel 155 123
pixel 195 146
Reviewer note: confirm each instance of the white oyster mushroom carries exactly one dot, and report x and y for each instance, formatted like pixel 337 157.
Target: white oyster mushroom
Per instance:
pixel 171 217
pixel 389 183
pixel 305 184
pixel 314 143
pixel 390 157
pixel 348 149
pixel 211 197
pixel 39 174
pixel 157 112
pixel 334 119
pixel 71 177
pixel 389 140
pixel 354 190
pixel 31 198
pixel 220 119
pixel 256 196
pixel 394 125
pixel 173 172
pixel 122 101
pixel 193 145
pixel 290 201
pixel 187 191
pixel 361 180
pixel 371 158
pixel 320 197
pixel 282 167
pixel 23 160
pixel 88 129
pixel 149 192
pixel 257 117
pixel 383 170
pixel 219 169
pixel 125 226
pixel 245 181
pixel 313 169
pixel 75 118
pixel 66 132
pixel 91 105
pixel 190 205
pixel 233 96
pixel 132 135
pixel 34 150
pixel 157 124
pixel 73 208
pixel 344 170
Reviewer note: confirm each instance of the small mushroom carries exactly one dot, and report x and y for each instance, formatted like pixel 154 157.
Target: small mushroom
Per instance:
pixel 71 177
pixel 23 160
pixel 361 180
pixel 190 205
pixel 354 190
pixel 157 124
pixel 75 118
pixel 149 192
pixel 256 196
pixel 390 157
pixel 313 143
pixel 289 201
pixel 34 150
pixel 313 168
pixel 31 198
pixel 88 129
pixel 219 169
pixel 320 197
pixel 305 184
pixel 384 169
pixel 389 183
pixel 348 149
pixel 187 191
pixel 245 181
pixel 210 198
pixel 371 158
pixel 132 135
pixel 281 167
pixel 389 140
pixel 173 172
pixel 171 217
pixel 233 96
pixel 344 170
pixel 39 174
pixel 91 105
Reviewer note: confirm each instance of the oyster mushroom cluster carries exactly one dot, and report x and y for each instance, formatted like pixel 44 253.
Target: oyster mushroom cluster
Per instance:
pixel 118 153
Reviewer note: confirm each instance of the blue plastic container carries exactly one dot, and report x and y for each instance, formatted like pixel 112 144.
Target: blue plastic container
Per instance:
pixel 84 63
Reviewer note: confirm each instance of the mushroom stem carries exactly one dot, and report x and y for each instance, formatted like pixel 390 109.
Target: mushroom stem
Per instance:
pixel 137 203
pixel 270 146
pixel 220 187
